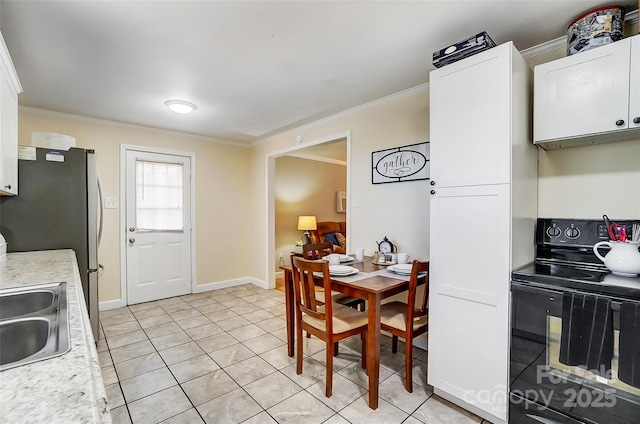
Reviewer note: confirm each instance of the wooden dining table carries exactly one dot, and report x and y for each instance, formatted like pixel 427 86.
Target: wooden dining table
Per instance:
pixel 374 287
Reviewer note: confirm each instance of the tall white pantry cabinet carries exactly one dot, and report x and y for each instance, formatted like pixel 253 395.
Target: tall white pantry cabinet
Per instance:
pixel 482 216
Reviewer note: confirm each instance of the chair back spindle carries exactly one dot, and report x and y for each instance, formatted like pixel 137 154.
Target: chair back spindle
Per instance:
pixel 316 250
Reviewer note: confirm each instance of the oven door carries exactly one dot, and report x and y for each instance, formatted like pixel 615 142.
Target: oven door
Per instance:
pixel 543 388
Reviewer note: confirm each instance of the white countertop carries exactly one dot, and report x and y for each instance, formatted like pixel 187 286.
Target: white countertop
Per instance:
pixel 64 389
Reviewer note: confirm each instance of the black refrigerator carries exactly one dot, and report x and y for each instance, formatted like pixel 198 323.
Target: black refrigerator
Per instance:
pixel 57 207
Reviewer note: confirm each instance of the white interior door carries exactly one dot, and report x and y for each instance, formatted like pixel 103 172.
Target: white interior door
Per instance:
pixel 158 226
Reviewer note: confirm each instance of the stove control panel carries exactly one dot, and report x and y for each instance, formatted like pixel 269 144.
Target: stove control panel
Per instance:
pixel 575 232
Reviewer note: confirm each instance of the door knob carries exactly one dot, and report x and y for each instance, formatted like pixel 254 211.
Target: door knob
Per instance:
pixel 132 240
pixel 132 229
pixel 636 120
pixel 620 122
pixel 8 186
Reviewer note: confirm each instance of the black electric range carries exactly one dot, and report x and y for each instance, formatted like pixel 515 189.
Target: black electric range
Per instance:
pixel 565 258
pixel 575 332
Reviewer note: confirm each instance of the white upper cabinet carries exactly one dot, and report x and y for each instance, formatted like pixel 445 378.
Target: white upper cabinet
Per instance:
pixel 9 89
pixel 474 123
pixel 590 97
pixel 634 84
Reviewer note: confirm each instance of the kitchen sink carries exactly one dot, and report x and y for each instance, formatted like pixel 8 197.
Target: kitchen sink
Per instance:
pixel 25 303
pixel 33 324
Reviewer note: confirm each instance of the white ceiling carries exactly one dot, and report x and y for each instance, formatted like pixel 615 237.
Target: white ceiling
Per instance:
pixel 253 68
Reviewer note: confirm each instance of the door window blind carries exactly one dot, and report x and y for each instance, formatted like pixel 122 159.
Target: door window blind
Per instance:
pixel 159 196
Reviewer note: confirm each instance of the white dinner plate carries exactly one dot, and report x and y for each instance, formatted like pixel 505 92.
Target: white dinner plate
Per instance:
pixel 342 270
pixel 343 258
pixel 402 269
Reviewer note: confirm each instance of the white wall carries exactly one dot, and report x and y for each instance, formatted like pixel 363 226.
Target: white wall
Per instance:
pixel 589 181
pixel 222 202
pixel 399 211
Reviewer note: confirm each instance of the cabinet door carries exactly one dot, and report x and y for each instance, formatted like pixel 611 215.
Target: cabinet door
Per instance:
pixel 469 294
pixel 586 93
pixel 8 137
pixel 470 111
pixel 634 84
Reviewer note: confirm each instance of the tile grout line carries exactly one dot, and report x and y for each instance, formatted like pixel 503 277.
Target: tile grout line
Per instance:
pixel 126 405
pixel 255 354
pixel 169 369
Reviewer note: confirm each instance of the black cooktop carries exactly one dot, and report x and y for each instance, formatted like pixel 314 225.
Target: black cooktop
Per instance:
pixel 565 259
pixel 589 280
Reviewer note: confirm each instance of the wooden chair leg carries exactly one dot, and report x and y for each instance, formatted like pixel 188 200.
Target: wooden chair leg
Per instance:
pixel 394 344
pixel 308 335
pixel 363 336
pixel 299 354
pixel 330 354
pixel 335 349
pixel 408 364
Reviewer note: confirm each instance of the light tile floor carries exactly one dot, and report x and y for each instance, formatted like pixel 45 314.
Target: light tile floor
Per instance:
pixel 220 357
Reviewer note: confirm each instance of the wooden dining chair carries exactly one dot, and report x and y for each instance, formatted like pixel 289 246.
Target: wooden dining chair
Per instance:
pixel 408 320
pixel 317 251
pixel 328 321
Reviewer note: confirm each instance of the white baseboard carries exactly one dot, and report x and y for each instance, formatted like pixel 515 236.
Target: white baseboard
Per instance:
pixel 119 303
pixel 229 283
pixel 111 304
pixel 279 274
pixel 259 283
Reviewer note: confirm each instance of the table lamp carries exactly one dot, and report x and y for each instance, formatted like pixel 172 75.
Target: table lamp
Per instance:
pixel 307 223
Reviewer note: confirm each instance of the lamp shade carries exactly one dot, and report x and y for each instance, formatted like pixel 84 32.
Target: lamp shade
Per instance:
pixel 307 223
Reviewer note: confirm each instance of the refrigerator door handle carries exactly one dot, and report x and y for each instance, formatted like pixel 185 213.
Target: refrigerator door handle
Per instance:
pixel 100 209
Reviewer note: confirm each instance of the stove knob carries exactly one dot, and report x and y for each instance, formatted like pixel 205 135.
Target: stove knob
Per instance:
pixel 554 231
pixel 572 233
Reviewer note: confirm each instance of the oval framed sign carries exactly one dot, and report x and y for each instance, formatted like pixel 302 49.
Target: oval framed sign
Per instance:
pixel 406 163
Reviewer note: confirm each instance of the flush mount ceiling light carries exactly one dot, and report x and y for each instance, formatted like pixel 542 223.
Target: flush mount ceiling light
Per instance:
pixel 180 106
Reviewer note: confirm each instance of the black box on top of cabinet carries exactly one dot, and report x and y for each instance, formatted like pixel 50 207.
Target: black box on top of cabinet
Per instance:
pixel 465 48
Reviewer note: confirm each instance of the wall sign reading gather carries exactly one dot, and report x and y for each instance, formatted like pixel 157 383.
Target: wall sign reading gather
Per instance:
pixel 406 163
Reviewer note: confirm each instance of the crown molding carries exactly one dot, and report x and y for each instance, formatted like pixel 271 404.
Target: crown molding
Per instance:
pixel 360 108
pixel 56 114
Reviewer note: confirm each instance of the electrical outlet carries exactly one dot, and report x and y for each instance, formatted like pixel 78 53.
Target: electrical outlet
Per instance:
pixel 280 255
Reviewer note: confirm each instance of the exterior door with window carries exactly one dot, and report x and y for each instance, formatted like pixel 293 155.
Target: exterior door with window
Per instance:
pixel 158 226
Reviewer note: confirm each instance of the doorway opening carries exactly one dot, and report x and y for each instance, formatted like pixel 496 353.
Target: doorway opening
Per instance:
pixel 293 175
